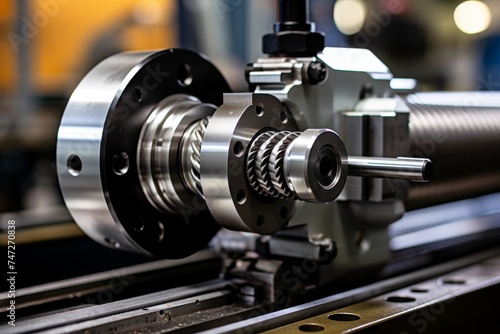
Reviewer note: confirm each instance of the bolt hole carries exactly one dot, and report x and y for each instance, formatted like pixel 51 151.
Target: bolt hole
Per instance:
pixel 428 170
pixel 137 95
pixel 112 242
pixel 74 164
pixel 259 109
pixel 400 299
pixel 283 117
pixel 138 225
pixel 452 281
pixel 161 235
pixel 311 328
pixel 241 196
pixel 284 212
pixel 238 148
pixel 260 220
pixel 161 312
pixel 197 302
pixel 184 75
pixel 120 163
pixel 419 290
pixel 344 317
pixel 326 166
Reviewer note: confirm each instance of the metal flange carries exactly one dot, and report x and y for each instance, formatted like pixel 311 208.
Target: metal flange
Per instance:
pixel 97 151
pixel 232 129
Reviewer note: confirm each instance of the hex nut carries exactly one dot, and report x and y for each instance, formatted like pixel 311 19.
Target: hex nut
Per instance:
pixel 296 43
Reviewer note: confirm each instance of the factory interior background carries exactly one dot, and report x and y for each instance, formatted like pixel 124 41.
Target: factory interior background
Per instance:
pixel 47 46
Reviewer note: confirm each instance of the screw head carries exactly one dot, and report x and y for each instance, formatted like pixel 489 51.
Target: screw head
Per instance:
pixel 316 73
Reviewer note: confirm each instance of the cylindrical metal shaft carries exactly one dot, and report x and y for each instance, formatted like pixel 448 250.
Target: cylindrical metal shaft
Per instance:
pixel 293 15
pixel 460 133
pixel 293 11
pixel 412 169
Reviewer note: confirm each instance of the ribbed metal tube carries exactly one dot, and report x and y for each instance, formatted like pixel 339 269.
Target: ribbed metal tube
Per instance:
pixel 460 133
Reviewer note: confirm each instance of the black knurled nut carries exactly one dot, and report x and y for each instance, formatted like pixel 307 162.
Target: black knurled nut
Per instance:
pixel 293 43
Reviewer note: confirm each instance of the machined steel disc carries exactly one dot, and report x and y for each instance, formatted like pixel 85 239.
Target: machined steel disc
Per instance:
pixel 97 151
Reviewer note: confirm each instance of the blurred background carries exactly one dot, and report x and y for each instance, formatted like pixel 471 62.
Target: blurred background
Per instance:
pixel 47 46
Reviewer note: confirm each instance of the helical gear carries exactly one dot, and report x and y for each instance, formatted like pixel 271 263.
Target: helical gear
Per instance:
pixel 251 157
pixel 195 157
pixel 262 165
pixel 265 164
pixel 276 165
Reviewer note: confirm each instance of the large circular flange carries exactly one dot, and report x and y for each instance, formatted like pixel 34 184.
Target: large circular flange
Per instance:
pixel 232 128
pixel 316 165
pixel 97 150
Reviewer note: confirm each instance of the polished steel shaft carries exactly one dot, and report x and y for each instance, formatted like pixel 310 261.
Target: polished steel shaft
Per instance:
pixel 411 169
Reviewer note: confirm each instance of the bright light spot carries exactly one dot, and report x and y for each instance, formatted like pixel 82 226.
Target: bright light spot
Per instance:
pixel 403 84
pixel 349 16
pixel 472 17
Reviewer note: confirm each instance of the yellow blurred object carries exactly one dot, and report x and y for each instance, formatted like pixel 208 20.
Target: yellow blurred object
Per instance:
pixel 67 37
pixel 7 55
